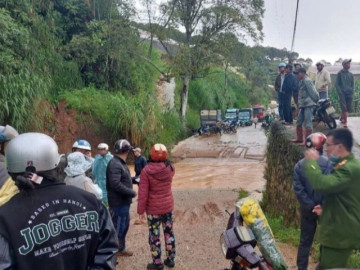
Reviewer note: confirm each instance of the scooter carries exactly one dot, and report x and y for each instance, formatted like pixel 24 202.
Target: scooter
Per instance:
pixel 325 112
pixel 238 245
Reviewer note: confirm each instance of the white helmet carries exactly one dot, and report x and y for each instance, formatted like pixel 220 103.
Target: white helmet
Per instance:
pixel 32 150
pixel 7 133
pixel 82 144
pixel 103 146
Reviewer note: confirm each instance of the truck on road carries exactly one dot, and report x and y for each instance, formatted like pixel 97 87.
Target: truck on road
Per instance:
pixel 230 114
pixel 210 120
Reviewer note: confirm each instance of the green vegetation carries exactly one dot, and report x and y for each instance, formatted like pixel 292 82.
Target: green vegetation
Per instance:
pixel 90 54
pixel 281 154
pixel 243 193
pixel 291 235
pixel 282 233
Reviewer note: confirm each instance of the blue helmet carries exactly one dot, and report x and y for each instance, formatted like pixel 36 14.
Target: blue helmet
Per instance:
pixel 82 144
pixel 282 64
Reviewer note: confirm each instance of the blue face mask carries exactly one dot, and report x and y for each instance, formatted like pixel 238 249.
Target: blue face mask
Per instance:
pixel 334 159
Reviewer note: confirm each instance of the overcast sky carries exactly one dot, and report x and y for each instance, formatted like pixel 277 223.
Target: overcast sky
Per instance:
pixel 326 29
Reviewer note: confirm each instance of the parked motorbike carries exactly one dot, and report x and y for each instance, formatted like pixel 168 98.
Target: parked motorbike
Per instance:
pixel 325 112
pixel 238 244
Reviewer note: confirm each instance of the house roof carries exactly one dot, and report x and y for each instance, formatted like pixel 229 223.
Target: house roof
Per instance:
pixel 354 69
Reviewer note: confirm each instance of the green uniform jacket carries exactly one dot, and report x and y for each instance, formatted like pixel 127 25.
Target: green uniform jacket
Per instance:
pixel 340 219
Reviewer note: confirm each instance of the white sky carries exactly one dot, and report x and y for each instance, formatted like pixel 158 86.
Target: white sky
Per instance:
pixel 326 29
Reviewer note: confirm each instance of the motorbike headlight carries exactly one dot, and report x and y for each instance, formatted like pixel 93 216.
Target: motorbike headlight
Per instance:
pixel 223 245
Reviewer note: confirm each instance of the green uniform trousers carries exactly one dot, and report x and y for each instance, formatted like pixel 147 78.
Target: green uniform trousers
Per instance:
pixel 333 257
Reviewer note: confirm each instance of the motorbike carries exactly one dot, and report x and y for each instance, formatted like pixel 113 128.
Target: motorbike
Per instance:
pixel 325 112
pixel 238 245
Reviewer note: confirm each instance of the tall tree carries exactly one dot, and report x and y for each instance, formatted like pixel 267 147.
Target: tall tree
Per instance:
pixel 202 20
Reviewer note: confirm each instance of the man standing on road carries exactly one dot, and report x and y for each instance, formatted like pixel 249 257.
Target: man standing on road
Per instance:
pixel 120 192
pixel 289 86
pixel 322 80
pixel 310 200
pixel 345 88
pixel 99 168
pixel 278 88
pixel 308 97
pixel 140 163
pixel 340 218
pixel 297 66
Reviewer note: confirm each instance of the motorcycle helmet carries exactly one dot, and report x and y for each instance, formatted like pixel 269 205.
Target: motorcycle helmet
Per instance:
pixel 81 144
pixel 35 150
pixel 316 140
pixel 103 146
pixel 122 146
pixel 158 152
pixel 7 133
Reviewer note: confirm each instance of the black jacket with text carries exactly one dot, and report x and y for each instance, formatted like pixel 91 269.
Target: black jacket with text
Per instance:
pixel 56 227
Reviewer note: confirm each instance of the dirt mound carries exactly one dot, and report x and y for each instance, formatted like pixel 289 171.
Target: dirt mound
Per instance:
pixel 71 126
pixel 195 215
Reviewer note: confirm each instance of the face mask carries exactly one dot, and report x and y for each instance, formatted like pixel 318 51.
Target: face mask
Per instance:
pixel 334 159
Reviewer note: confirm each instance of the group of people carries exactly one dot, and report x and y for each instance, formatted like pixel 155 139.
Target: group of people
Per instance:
pixel 59 223
pixel 297 86
pixel 328 189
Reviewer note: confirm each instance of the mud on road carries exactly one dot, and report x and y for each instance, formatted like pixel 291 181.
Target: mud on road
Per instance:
pixel 209 172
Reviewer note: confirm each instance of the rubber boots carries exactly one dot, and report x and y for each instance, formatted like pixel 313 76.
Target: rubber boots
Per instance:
pixel 307 133
pixel 299 134
pixel 345 117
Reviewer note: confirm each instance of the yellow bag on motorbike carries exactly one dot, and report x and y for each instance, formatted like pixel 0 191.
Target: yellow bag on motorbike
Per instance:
pixel 255 219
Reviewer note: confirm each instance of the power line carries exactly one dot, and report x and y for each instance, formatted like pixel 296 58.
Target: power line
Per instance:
pixel 296 14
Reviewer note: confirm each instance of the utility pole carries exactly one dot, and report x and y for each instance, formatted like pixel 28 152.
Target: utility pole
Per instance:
pixel 293 38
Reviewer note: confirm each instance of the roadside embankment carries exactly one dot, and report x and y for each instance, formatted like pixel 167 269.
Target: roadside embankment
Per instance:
pixel 281 157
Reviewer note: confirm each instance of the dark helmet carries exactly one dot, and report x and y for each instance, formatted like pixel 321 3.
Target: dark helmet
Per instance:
pixel 316 140
pixel 122 146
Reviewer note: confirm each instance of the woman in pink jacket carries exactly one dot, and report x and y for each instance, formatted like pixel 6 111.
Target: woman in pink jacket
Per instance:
pixel 155 198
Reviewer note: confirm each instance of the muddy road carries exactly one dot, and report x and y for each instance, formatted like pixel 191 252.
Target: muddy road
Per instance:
pixel 209 172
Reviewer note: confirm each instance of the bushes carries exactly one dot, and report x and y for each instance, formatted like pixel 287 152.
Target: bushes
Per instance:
pixel 138 118
pixel 281 156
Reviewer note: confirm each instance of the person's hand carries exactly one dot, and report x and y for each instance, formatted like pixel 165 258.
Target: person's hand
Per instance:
pixel 317 210
pixel 311 154
pixel 142 218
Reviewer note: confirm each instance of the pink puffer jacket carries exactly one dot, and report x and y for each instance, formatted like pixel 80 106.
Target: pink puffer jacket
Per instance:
pixel 155 195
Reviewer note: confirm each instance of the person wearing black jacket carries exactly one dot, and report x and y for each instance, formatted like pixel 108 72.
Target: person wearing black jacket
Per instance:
pixel 140 163
pixel 310 200
pixel 49 225
pixel 120 192
pixel 290 85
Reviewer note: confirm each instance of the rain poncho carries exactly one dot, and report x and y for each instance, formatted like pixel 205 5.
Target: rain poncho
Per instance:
pixel 99 171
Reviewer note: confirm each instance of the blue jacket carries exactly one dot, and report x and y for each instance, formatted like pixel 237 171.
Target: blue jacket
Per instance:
pixel 306 195
pixel 290 84
pixel 140 163
pixel 99 171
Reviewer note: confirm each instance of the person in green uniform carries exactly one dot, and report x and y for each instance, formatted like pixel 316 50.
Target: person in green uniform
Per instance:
pixel 340 216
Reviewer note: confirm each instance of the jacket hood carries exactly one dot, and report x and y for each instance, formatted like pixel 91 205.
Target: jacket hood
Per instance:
pixel 160 171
